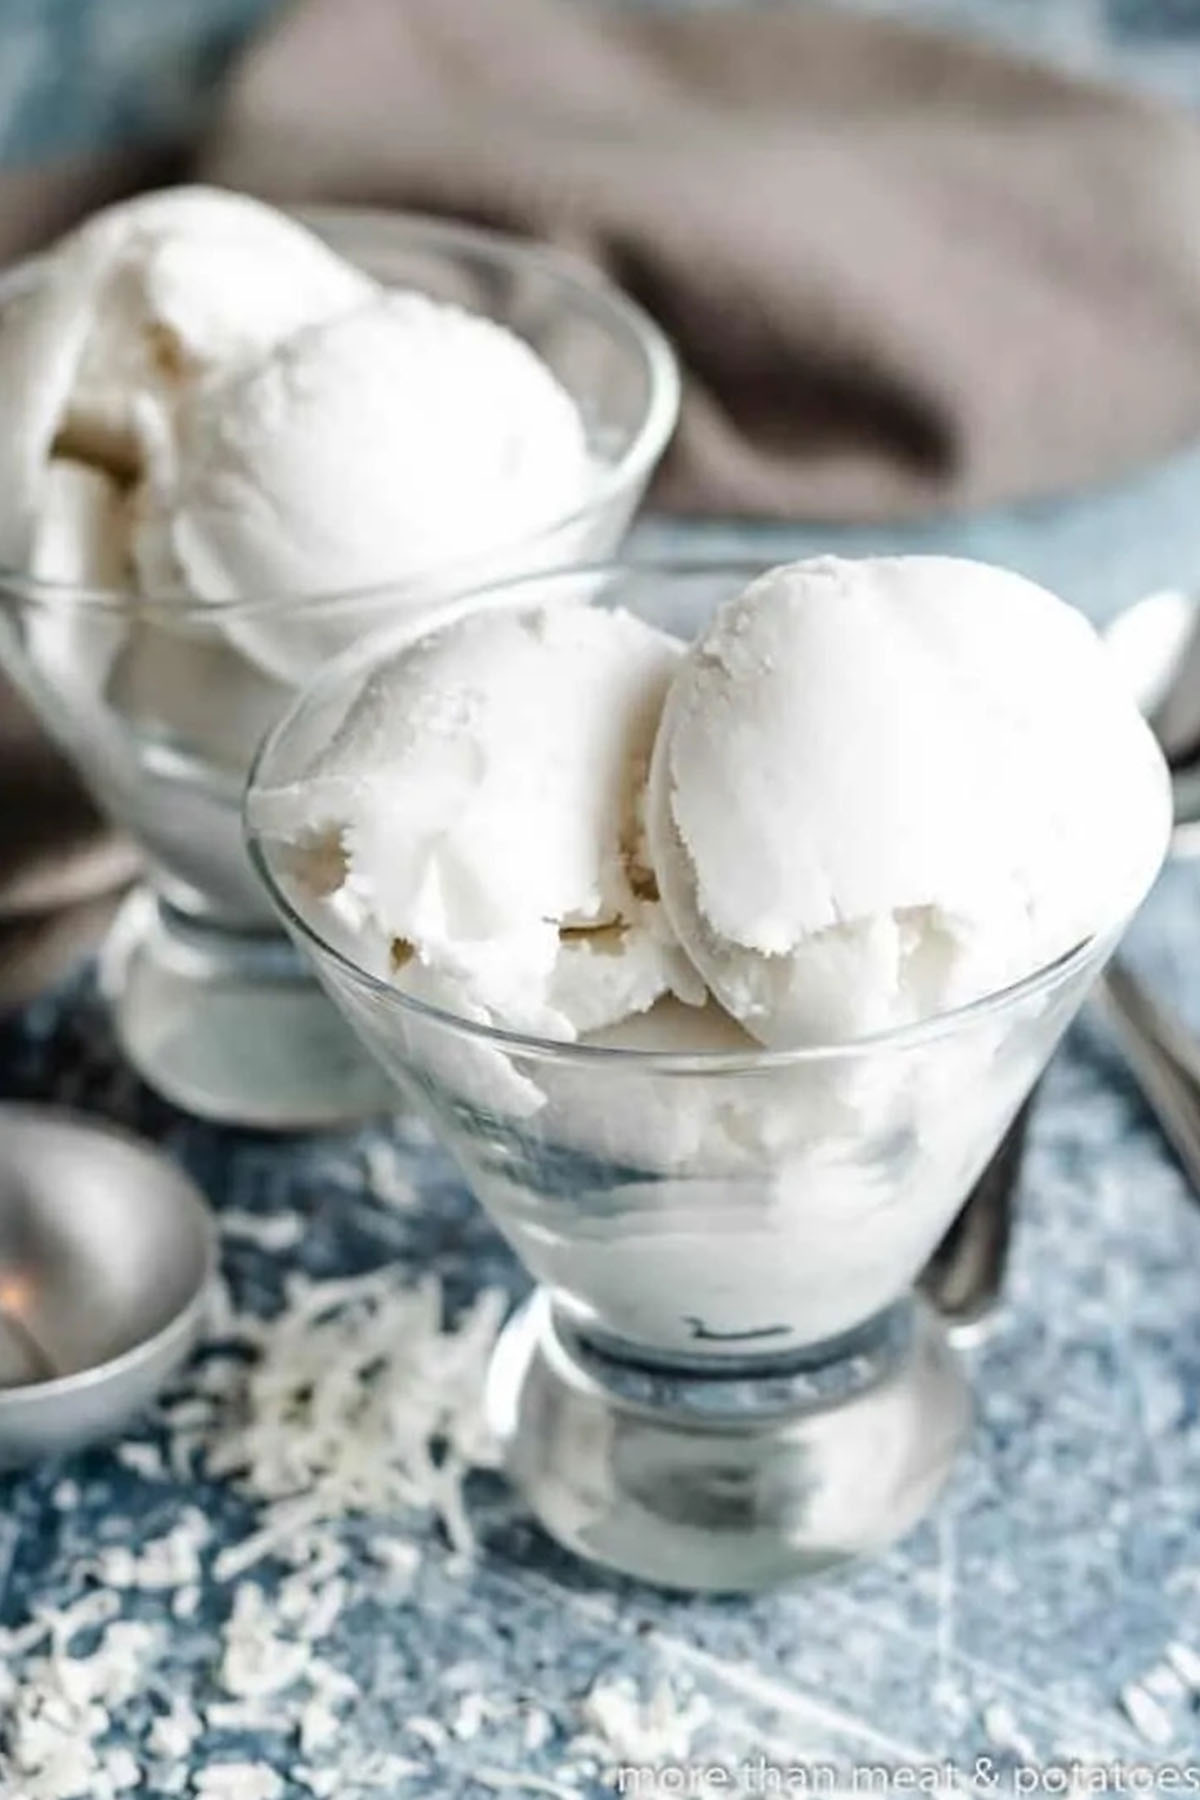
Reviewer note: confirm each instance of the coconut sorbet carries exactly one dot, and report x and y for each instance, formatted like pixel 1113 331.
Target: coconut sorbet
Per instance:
pixel 785 860
pixel 206 406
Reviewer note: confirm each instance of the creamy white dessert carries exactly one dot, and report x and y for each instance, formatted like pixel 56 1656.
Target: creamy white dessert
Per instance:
pixel 204 404
pixel 400 437
pixel 877 792
pixel 475 821
pixel 263 420
pixel 883 789
pixel 133 311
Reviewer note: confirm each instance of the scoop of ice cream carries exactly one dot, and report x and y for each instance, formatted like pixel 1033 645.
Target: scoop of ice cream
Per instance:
pixel 134 309
pixel 394 441
pixel 476 818
pixel 887 787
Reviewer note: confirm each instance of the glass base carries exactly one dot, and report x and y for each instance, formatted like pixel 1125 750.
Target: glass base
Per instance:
pixel 230 1026
pixel 738 1478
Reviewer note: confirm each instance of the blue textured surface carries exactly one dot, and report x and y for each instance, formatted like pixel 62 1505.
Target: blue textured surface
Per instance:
pixel 1064 1560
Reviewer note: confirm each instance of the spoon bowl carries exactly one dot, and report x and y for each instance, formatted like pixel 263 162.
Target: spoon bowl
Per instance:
pixel 106 1252
pixel 1156 645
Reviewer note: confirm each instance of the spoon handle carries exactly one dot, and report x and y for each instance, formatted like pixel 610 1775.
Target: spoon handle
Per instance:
pixel 965 1274
pixel 1163 1058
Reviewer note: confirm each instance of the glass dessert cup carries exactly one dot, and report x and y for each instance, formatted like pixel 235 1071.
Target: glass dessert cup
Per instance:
pixel 160 702
pixel 724 1377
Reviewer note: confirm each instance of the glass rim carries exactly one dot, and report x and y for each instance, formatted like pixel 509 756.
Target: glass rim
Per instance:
pixel 570 272
pixel 364 655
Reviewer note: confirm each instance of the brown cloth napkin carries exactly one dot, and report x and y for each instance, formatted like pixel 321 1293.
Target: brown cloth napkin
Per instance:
pixel 903 272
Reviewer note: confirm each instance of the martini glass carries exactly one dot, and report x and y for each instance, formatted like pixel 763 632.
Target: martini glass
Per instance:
pixel 724 1376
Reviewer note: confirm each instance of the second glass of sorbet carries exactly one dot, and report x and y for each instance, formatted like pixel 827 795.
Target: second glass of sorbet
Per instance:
pixel 161 701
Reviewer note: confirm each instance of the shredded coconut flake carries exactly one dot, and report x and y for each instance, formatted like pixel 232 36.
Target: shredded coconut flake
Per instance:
pixel 185 1603
pixel 256 1661
pixel 1164 1683
pixel 354 1400
pixel 1004 1733
pixel 360 1402
pixel 238 1781
pixel 171 1561
pixel 426 1731
pixel 1145 1714
pixel 60 1713
pixel 399 1556
pixel 319 1727
pixel 386 1176
pixel 1186 1664
pixel 174 1735
pixel 622 1725
pixel 538 1728
pixel 144 1459
pixel 272 1232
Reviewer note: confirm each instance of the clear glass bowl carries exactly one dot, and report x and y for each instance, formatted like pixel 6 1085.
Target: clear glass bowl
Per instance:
pixel 161 703
pixel 723 1378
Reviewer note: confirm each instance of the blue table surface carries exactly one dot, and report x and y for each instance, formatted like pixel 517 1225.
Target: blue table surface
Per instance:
pixel 1042 1613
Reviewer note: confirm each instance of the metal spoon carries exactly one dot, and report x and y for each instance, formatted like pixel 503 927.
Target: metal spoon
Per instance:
pixel 964 1276
pixel 1157 647
pixel 1163 1058
pixel 106 1251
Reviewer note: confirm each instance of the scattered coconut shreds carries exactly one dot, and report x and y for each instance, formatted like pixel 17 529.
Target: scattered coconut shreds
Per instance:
pixel 1186 1664
pixel 176 1733
pixel 272 1232
pixel 399 1556
pixel 381 1771
pixel 324 1783
pixel 319 1727
pixel 1003 1732
pixel 60 1713
pixel 144 1459
pixel 237 1781
pixel 354 1401
pixel 359 1402
pixel 1164 1683
pixel 473 1712
pixel 386 1174
pixel 538 1727
pixel 620 1725
pixel 1148 1718
pixel 185 1602
pixel 426 1731
pixel 168 1562
pixel 255 1660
